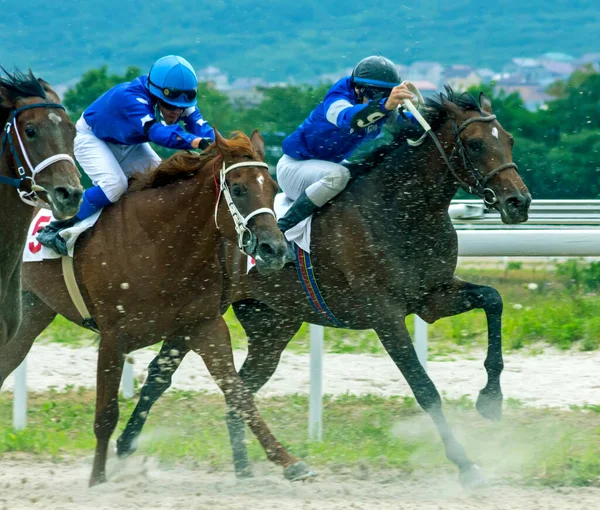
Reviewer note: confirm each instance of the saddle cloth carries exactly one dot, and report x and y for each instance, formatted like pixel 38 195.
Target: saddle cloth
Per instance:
pixel 299 234
pixel 36 252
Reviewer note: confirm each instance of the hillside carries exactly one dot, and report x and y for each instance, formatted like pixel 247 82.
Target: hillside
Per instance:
pixel 282 39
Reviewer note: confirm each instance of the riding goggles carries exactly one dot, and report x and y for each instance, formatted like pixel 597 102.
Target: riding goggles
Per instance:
pixel 175 94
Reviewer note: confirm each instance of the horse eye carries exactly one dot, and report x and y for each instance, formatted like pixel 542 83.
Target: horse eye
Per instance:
pixel 475 145
pixel 236 190
pixel 30 132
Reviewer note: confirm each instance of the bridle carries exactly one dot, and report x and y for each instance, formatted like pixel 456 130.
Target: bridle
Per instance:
pixel 29 197
pixel 246 238
pixel 479 187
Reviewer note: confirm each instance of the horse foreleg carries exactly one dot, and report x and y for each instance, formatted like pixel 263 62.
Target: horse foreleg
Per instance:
pixel 460 297
pixel 108 377
pixel 395 338
pixel 160 374
pixel 37 317
pixel 268 335
pixel 214 345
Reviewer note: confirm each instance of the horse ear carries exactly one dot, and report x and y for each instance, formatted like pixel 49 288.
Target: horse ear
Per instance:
pixel 485 102
pixel 220 142
pixel 258 143
pixel 452 109
pixel 49 90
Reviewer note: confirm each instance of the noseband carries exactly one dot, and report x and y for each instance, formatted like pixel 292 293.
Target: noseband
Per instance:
pixel 29 197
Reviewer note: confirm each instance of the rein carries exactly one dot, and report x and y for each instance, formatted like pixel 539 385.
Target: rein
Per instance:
pixel 480 187
pixel 29 197
pixel 246 238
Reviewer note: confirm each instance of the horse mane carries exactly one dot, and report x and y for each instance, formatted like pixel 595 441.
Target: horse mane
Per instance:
pixel 433 112
pixel 186 164
pixel 21 85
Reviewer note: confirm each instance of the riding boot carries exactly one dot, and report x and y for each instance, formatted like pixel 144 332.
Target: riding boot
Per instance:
pixel 49 236
pixel 301 209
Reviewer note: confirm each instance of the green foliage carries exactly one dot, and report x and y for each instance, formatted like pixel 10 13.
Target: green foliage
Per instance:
pixel 91 86
pixel 579 275
pixel 557 149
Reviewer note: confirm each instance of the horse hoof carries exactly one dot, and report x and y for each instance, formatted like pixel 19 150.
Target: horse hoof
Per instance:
pixel 472 478
pixel 244 473
pixel 126 448
pixel 489 405
pixel 297 472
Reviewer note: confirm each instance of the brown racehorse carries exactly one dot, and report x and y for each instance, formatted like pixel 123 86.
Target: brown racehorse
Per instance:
pixel 384 249
pixel 151 269
pixel 36 164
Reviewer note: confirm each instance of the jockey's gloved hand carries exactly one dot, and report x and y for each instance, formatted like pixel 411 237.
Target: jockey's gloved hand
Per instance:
pixel 200 143
pixel 397 96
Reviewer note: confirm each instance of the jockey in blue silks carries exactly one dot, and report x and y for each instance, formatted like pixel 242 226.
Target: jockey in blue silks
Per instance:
pixel 113 134
pixel 353 111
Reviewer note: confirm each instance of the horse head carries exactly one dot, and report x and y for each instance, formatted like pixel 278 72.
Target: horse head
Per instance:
pixel 38 140
pixel 249 193
pixel 481 155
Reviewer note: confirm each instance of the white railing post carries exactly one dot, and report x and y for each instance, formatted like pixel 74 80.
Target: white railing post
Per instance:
pixel 127 389
pixel 20 397
pixel 315 406
pixel 421 340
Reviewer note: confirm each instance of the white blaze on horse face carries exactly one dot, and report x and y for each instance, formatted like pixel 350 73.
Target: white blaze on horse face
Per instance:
pixel 54 118
pixel 495 131
pixel 261 181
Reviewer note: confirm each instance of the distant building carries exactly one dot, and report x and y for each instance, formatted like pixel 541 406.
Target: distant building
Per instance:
pixel 215 76
pixel 533 95
pixel 424 71
pixel 592 59
pixel 461 77
pixel 426 88
pixel 528 70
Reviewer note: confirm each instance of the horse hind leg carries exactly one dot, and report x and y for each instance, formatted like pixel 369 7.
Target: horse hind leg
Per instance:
pixel 215 348
pixel 37 317
pixel 160 374
pixel 460 297
pixel 268 335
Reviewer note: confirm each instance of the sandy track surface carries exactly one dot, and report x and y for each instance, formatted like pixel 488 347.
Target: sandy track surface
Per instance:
pixel 27 483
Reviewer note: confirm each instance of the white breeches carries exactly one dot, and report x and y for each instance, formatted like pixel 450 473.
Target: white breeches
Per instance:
pixel 109 165
pixel 321 180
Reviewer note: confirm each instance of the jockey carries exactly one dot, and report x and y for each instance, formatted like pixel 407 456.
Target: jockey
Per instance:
pixel 352 112
pixel 113 134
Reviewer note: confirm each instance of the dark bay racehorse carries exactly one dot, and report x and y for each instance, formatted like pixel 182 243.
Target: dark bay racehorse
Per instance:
pixel 36 164
pixel 152 269
pixel 384 249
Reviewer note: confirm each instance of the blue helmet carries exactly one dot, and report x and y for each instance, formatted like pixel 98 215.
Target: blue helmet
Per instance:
pixel 173 80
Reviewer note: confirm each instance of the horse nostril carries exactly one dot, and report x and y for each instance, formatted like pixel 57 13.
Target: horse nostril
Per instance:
pixel 266 249
pixel 68 194
pixel 517 202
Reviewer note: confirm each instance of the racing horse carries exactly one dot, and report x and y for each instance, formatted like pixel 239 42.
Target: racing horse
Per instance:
pixel 150 269
pixel 384 249
pixel 36 169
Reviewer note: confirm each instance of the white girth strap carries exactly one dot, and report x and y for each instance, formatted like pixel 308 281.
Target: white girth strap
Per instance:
pixel 73 288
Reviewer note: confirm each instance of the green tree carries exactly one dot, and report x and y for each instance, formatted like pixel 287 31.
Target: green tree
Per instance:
pixel 92 85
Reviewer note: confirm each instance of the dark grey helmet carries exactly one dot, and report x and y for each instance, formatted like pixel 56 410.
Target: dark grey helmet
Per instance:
pixel 375 72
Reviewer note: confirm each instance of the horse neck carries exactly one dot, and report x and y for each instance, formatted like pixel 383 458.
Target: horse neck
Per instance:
pixel 180 214
pixel 414 181
pixel 15 217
